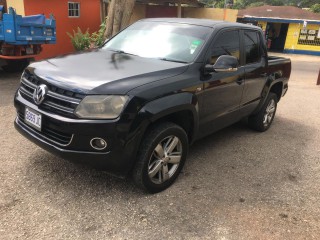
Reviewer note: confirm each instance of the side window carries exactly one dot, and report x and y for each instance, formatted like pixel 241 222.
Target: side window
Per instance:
pixel 252 47
pixel 228 43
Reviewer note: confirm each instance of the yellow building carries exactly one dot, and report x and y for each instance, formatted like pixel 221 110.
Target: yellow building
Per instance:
pixel 287 29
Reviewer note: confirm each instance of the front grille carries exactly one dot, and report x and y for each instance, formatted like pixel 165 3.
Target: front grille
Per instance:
pixel 58 100
pixel 47 133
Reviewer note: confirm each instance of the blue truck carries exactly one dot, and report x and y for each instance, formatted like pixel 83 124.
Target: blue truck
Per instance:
pixel 21 38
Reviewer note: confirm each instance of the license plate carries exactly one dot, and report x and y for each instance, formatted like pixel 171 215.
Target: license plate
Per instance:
pixel 33 118
pixel 29 51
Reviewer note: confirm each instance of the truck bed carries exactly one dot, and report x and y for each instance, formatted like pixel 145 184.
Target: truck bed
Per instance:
pixel 18 30
pixel 279 66
pixel 275 60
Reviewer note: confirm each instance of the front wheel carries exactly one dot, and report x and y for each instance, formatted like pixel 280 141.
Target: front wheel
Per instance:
pixel 161 157
pixel 264 118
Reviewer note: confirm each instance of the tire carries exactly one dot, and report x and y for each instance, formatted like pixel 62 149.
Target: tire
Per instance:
pixel 161 157
pixel 16 65
pixel 263 119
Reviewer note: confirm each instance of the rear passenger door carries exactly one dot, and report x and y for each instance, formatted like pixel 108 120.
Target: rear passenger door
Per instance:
pixel 255 70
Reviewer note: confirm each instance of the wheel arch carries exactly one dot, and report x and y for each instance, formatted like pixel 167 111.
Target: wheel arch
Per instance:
pixel 272 85
pixel 277 89
pixel 181 109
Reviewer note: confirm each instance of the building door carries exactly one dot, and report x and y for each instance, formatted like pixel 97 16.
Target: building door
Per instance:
pixel 276 36
pixel 157 11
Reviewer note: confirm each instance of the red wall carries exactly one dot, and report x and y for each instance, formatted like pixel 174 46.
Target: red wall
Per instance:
pixel 89 18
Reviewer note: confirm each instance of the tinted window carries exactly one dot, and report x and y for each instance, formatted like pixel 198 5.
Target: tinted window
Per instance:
pixel 251 40
pixel 228 43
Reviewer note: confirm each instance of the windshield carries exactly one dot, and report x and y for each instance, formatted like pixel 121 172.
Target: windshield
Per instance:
pixel 166 41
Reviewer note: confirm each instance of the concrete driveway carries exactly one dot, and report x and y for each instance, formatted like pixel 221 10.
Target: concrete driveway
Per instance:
pixel 236 184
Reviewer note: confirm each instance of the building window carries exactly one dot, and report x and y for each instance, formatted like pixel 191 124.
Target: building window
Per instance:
pixel 309 37
pixel 74 9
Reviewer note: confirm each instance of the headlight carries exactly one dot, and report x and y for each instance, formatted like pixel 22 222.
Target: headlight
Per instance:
pixel 101 106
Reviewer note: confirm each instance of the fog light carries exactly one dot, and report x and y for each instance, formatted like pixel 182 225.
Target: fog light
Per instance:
pixel 98 143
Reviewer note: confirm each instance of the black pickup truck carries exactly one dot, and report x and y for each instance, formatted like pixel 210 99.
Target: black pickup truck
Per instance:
pixel 135 105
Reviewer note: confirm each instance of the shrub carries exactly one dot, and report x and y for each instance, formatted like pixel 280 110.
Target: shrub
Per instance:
pixel 97 38
pixel 80 40
pixel 84 40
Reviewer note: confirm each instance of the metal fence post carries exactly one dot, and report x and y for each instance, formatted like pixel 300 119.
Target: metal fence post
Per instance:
pixel 318 82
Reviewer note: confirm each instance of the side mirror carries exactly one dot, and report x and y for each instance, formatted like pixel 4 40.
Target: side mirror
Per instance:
pixel 224 63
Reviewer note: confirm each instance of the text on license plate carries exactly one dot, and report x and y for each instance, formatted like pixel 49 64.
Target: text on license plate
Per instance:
pixel 33 118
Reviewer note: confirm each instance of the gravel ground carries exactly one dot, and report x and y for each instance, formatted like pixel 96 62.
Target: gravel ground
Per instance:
pixel 236 184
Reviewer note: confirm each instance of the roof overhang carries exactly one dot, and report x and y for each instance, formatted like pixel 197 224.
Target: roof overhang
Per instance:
pixel 278 20
pixel 193 3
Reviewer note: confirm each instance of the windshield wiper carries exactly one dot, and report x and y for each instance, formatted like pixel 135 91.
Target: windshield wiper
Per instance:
pixel 122 52
pixel 172 60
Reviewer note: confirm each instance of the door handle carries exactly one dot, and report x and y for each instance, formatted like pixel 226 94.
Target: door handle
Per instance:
pixel 240 81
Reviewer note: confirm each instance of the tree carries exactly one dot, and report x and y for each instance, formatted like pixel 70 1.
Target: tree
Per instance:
pixel 275 2
pixel 119 14
pixel 315 8
pixel 217 3
pixel 307 3
pixel 209 3
pixel 256 4
pixel 241 4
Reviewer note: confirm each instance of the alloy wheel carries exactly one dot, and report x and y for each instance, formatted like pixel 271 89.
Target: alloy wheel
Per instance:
pixel 165 159
pixel 269 113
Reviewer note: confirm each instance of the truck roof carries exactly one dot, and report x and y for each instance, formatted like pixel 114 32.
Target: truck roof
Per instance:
pixel 200 22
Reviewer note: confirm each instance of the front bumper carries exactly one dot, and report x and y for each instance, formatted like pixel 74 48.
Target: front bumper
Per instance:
pixel 70 138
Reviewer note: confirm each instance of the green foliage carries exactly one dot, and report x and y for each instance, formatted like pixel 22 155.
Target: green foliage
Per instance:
pixel 307 3
pixel 216 3
pixel 84 40
pixel 241 4
pixel 97 38
pixel 80 40
pixel 256 4
pixel 275 2
pixel 219 4
pixel 315 8
pixel 208 3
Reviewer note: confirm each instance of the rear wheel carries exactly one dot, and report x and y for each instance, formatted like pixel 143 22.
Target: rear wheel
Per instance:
pixel 161 157
pixel 264 118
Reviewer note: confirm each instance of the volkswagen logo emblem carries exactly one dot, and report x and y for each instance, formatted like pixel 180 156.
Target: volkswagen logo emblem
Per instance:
pixel 39 93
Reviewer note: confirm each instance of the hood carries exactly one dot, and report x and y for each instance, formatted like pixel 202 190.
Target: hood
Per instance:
pixel 104 71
